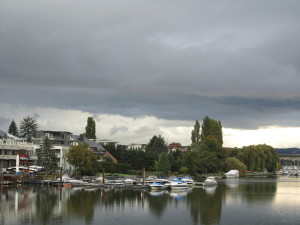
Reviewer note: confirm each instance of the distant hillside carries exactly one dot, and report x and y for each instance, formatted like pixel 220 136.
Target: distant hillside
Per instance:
pixel 290 151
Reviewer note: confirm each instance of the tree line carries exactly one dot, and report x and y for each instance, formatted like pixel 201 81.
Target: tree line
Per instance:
pixel 205 154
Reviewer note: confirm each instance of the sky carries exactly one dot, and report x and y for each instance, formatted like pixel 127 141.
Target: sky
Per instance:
pixel 153 67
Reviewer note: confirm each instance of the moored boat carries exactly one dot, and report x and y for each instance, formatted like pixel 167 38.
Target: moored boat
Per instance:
pixel 232 174
pixel 157 186
pixel 210 181
pixel 178 184
pixel 188 180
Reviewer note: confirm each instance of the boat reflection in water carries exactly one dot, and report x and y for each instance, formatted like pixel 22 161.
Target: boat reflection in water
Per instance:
pixel 178 194
pixel 210 190
pixel 156 193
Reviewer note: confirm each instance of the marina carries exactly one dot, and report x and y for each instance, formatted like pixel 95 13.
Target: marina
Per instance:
pixel 250 200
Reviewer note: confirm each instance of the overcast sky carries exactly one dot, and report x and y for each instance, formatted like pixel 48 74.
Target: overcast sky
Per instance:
pixel 146 67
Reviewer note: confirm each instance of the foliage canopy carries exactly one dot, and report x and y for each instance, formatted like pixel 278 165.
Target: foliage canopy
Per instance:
pixel 28 127
pixel 83 159
pixel 90 129
pixel 46 156
pixel 13 129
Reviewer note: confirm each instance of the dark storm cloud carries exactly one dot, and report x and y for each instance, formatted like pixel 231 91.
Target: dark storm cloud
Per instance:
pixel 237 61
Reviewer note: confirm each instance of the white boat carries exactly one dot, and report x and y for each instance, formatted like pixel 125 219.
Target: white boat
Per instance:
pixel 157 186
pixel 115 182
pixel 130 181
pixel 178 184
pixel 210 181
pixel 188 180
pixel 100 180
pixel 232 174
pixel 150 180
pixel 70 182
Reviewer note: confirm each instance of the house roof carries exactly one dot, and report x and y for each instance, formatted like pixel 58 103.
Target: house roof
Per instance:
pixel 10 136
pixel 91 143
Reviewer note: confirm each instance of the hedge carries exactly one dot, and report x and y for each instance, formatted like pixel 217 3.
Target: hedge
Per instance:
pixel 115 168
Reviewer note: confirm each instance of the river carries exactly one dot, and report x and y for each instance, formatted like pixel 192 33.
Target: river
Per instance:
pixel 241 201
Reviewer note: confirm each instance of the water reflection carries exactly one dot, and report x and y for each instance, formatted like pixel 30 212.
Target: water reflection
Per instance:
pixel 205 205
pixel 81 204
pixel 208 206
pixel 46 199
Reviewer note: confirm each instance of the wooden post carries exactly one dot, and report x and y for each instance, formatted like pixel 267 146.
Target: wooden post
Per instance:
pixel 60 174
pixel 2 177
pixel 143 176
pixel 103 176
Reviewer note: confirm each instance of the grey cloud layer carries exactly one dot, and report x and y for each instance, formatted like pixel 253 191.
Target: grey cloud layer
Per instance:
pixel 235 60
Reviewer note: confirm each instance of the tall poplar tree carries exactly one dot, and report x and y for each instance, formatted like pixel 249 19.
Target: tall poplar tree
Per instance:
pixel 13 129
pixel 195 134
pixel 211 127
pixel 90 129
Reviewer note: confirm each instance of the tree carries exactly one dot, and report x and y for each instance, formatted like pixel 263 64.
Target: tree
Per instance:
pixel 163 164
pixel 175 145
pixel 233 163
pixel 211 127
pixel 83 159
pixel 259 157
pixel 90 129
pixel 46 156
pixel 157 145
pixel 28 127
pixel 190 163
pixel 195 134
pixel 13 129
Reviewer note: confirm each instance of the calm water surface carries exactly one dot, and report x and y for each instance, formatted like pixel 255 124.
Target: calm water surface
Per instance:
pixel 242 201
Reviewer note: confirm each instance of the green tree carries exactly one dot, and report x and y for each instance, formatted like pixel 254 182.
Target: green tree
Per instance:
pixel 13 129
pixel 208 154
pixel 163 164
pixel 46 156
pixel 233 163
pixel 259 157
pixel 90 129
pixel 211 127
pixel 176 160
pixel 195 134
pixel 154 148
pixel 83 159
pixel 28 127
pixel 157 145
pixel 190 163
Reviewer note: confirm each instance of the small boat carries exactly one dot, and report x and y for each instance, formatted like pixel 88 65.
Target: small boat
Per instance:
pixel 232 174
pixel 116 182
pixel 130 181
pixel 157 186
pixel 178 184
pixel 210 181
pixel 188 180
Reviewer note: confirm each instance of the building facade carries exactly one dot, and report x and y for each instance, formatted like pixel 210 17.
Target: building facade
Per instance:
pixel 11 146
